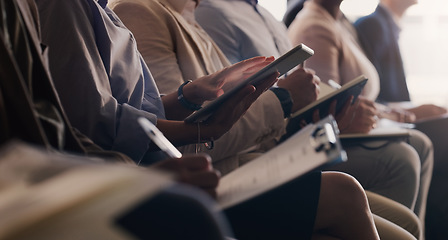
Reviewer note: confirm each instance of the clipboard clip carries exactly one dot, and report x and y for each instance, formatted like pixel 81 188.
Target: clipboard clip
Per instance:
pixel 323 138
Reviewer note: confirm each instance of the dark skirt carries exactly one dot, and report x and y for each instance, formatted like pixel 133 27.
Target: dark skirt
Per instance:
pixel 286 212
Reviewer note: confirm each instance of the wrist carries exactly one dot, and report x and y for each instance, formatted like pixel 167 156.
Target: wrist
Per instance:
pixel 187 103
pixel 285 99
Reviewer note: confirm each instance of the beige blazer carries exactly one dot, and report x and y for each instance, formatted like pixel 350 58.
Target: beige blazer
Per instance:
pixel 175 51
pixel 337 54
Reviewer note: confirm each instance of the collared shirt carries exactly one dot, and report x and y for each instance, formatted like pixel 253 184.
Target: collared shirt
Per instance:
pixel 242 30
pixel 103 83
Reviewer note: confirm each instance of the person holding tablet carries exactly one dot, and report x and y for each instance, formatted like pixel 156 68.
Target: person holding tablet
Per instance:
pixel 244 29
pixel 192 54
pixel 182 50
pixel 342 197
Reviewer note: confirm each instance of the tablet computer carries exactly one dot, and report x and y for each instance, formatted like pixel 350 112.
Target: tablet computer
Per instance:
pixel 282 65
pixel 341 95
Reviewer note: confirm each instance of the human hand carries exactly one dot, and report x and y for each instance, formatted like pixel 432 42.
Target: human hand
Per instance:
pixel 344 116
pixel 303 85
pixel 195 170
pixel 360 117
pixel 214 85
pixel 427 111
pixel 395 113
pixel 231 111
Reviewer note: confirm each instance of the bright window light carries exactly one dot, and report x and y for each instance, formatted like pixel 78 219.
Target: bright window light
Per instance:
pixel 422 41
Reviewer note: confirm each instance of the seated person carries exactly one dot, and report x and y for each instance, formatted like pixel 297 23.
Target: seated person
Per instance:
pixel 174 62
pixel 378 34
pixel 240 28
pixel 41 122
pixel 192 54
pixel 337 191
pixel 118 92
pixel 339 57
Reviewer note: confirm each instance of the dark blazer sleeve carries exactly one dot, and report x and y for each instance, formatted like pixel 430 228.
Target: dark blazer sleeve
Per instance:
pixel 371 35
pixel 378 36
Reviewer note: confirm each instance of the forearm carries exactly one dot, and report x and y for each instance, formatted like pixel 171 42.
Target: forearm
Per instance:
pixel 181 133
pixel 262 122
pixel 178 132
pixel 183 102
pixel 174 109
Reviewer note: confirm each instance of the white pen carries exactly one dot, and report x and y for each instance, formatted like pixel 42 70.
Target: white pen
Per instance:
pixel 334 84
pixel 158 138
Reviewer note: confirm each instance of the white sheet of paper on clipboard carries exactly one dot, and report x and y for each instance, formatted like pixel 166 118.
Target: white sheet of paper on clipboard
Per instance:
pixel 315 146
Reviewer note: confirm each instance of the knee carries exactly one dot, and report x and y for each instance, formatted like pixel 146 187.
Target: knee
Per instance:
pixel 344 189
pixel 389 230
pixel 406 163
pixel 395 212
pixel 422 144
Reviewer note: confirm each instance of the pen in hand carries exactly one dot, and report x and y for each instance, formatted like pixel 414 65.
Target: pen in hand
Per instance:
pixel 158 138
pixel 334 84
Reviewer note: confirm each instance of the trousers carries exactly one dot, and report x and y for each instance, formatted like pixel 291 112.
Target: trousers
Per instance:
pixel 398 170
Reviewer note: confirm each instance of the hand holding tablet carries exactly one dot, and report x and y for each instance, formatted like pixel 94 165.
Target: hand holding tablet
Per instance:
pixel 282 65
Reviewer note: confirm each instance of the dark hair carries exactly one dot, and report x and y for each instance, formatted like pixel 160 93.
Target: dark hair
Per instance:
pixel 293 8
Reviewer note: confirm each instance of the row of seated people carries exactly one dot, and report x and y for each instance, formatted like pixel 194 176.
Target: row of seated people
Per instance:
pixel 27 85
pixel 104 86
pixel 371 46
pixel 241 36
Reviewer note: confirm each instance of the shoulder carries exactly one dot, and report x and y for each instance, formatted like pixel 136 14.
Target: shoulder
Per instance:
pixel 310 25
pixel 74 6
pixel 375 23
pixel 372 20
pixel 138 7
pixel 371 27
pixel 217 10
pixel 67 13
pixel 217 16
pixel 136 4
pixel 143 16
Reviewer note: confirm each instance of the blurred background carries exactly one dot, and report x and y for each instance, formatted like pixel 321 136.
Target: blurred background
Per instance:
pixel 423 42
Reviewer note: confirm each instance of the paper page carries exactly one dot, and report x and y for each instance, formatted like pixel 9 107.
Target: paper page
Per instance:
pixel 324 89
pixel 385 129
pixel 294 157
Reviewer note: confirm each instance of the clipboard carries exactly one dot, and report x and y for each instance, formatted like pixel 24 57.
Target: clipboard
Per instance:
pixel 352 88
pixel 377 134
pixel 282 65
pixel 314 147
